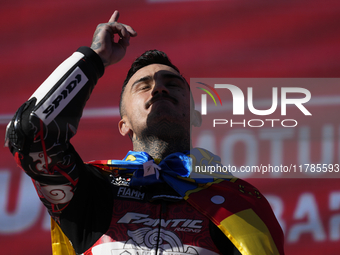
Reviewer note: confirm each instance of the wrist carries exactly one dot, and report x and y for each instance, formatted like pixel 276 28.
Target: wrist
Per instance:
pixel 94 57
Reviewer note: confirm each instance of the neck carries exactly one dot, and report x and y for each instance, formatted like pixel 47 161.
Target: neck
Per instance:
pixel 160 148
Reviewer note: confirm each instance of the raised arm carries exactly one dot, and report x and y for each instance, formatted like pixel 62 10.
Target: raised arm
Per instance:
pixel 39 134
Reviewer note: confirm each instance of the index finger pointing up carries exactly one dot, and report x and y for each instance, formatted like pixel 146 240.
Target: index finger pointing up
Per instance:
pixel 114 16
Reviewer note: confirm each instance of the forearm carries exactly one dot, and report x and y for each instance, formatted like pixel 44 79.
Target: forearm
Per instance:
pixel 39 134
pixel 58 101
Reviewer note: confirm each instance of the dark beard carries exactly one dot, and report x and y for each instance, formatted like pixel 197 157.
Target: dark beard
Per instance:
pixel 162 139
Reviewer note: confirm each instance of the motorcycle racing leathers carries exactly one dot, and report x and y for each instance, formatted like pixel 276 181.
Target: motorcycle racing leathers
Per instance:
pixel 99 213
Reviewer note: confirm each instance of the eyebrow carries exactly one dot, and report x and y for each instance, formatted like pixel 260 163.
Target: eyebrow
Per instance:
pixel 163 75
pixel 143 79
pixel 171 76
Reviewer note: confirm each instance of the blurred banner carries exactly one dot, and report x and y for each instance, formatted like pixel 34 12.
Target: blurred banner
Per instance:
pixel 258 44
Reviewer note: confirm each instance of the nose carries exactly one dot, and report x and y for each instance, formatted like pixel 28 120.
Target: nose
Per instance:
pixel 159 87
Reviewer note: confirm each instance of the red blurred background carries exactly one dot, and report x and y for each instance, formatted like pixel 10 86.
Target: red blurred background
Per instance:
pixel 243 39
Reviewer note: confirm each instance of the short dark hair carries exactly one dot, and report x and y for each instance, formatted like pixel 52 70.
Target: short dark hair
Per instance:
pixel 147 58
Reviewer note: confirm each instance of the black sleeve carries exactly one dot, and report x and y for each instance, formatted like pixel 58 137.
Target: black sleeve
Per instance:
pixel 39 134
pixel 89 214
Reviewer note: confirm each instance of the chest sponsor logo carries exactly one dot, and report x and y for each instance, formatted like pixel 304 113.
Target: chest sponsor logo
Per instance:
pixel 130 193
pixel 186 225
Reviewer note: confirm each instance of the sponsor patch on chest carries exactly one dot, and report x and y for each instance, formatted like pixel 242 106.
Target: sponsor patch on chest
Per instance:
pixel 180 224
pixel 126 192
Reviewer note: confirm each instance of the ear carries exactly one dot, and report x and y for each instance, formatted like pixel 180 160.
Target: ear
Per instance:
pixel 196 118
pixel 124 127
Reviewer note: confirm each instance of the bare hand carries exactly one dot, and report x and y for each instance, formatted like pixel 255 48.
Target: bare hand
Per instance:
pixel 103 40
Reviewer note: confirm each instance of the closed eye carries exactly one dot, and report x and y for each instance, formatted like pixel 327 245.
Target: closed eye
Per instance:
pixel 172 79
pixel 142 83
pixel 143 86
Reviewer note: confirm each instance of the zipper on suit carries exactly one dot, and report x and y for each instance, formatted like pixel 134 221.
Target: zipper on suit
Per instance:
pixel 162 215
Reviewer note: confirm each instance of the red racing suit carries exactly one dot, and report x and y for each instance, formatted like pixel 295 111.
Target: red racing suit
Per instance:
pixel 99 213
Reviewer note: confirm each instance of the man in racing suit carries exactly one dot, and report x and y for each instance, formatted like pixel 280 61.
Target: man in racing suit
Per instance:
pixel 96 205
